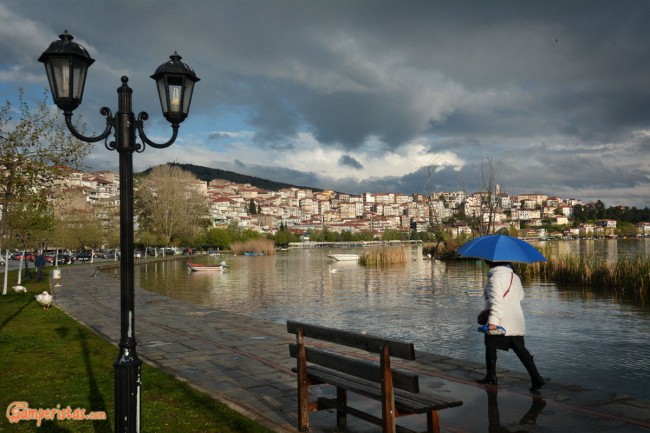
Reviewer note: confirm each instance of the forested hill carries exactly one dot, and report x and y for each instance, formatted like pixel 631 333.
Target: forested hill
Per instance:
pixel 207 174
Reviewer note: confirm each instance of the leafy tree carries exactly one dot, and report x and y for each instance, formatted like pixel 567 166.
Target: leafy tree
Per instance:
pixel 149 239
pixel 217 238
pixel 85 231
pixel 390 235
pixel 252 209
pixel 249 234
pixel 36 152
pixel 284 236
pixel 169 204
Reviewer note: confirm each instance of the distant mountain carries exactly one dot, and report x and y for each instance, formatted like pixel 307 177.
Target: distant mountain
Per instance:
pixel 207 174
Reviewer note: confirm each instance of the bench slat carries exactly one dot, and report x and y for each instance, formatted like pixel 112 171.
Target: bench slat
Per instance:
pixel 366 342
pixel 406 402
pixel 357 367
pixel 347 370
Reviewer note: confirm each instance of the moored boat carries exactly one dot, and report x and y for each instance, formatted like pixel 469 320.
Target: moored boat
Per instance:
pixel 344 257
pixel 201 267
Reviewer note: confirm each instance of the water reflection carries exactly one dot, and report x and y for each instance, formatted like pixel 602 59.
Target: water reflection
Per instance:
pixel 495 424
pixel 431 303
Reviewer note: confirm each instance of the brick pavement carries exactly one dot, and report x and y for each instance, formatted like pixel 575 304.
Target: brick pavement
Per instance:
pixel 244 362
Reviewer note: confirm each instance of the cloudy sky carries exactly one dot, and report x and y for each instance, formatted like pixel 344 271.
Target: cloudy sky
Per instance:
pixel 379 96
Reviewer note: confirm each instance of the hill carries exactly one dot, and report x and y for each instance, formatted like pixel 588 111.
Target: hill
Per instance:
pixel 207 174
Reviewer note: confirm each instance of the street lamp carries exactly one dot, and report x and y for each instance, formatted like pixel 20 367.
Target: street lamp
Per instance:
pixel 66 64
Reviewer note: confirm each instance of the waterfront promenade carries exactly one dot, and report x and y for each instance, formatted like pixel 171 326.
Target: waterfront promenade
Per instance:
pixel 245 363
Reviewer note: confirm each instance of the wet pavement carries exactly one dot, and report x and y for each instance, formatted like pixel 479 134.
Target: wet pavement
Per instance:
pixel 245 363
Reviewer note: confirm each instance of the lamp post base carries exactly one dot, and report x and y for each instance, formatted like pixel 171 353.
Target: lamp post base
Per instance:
pixel 127 394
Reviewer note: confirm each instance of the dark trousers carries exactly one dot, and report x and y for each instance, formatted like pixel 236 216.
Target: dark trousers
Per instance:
pixel 517 344
pixel 39 273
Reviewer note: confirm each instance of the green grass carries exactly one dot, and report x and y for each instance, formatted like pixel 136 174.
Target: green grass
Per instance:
pixel 49 359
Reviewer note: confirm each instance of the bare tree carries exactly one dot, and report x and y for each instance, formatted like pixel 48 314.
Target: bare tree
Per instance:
pixel 169 203
pixel 35 153
pixel 488 201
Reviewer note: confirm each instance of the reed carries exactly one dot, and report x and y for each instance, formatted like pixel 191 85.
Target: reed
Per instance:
pixel 383 256
pixel 626 276
pixel 264 246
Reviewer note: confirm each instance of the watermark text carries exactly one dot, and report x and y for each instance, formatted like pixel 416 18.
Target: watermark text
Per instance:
pixel 20 411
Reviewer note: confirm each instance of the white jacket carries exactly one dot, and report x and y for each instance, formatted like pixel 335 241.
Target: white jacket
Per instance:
pixel 505 310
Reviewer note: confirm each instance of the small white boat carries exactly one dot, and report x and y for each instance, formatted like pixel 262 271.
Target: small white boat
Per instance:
pixel 200 267
pixel 344 257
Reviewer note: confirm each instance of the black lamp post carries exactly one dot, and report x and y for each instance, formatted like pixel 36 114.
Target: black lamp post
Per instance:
pixel 66 63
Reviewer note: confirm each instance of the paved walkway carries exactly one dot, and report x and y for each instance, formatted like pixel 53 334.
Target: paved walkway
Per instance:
pixel 245 363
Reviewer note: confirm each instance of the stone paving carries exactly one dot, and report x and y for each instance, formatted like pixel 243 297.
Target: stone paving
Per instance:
pixel 245 363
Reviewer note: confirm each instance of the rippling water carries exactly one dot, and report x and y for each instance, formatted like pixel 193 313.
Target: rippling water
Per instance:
pixel 576 337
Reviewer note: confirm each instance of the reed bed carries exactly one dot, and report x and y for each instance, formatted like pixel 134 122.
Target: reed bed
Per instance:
pixel 383 256
pixel 258 246
pixel 441 250
pixel 626 276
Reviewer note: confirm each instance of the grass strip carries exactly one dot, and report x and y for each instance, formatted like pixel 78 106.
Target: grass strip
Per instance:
pixel 50 359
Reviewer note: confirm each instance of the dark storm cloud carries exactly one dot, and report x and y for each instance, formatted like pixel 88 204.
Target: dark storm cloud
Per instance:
pixel 348 161
pixel 557 91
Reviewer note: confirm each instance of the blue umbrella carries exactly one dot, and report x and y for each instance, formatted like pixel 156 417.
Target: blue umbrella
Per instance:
pixel 501 248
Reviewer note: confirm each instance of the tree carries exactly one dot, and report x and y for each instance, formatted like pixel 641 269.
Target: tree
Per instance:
pixel 169 203
pixel 85 231
pixel 488 203
pixel 36 153
pixel 217 238
pixel 252 209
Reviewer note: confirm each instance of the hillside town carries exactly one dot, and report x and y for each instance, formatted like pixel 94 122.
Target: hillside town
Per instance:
pixel 301 210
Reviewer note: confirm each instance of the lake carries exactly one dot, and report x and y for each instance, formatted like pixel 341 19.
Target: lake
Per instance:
pixel 576 337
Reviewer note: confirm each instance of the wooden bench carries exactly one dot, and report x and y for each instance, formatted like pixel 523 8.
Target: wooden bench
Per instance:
pixel 397 390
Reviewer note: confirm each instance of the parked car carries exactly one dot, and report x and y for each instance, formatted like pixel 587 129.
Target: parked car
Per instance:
pixel 28 256
pixel 111 255
pixel 83 256
pixel 99 254
pixel 64 259
pixel 2 262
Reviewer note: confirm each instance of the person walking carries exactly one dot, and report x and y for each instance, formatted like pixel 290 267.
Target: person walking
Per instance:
pixel 28 275
pixel 503 295
pixel 39 262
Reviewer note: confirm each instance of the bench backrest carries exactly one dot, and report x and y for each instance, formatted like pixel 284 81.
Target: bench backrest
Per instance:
pixel 358 367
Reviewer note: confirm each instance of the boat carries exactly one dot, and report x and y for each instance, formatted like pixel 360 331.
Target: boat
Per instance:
pixel 200 267
pixel 344 257
pixel 253 253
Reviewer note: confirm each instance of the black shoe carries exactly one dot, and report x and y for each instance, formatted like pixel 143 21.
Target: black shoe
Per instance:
pixel 488 380
pixel 537 384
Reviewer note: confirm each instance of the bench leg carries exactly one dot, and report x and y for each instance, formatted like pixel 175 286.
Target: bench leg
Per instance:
pixel 342 398
pixel 303 384
pixel 433 422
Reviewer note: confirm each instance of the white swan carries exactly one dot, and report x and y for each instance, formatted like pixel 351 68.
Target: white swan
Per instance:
pixel 20 289
pixel 45 299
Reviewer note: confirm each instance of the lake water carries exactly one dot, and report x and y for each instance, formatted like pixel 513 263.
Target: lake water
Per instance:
pixel 576 338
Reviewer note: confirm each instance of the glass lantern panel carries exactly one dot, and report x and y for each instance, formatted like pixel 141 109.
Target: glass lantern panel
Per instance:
pixel 187 96
pixel 175 98
pixel 79 79
pixel 61 71
pixel 175 84
pixel 162 94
